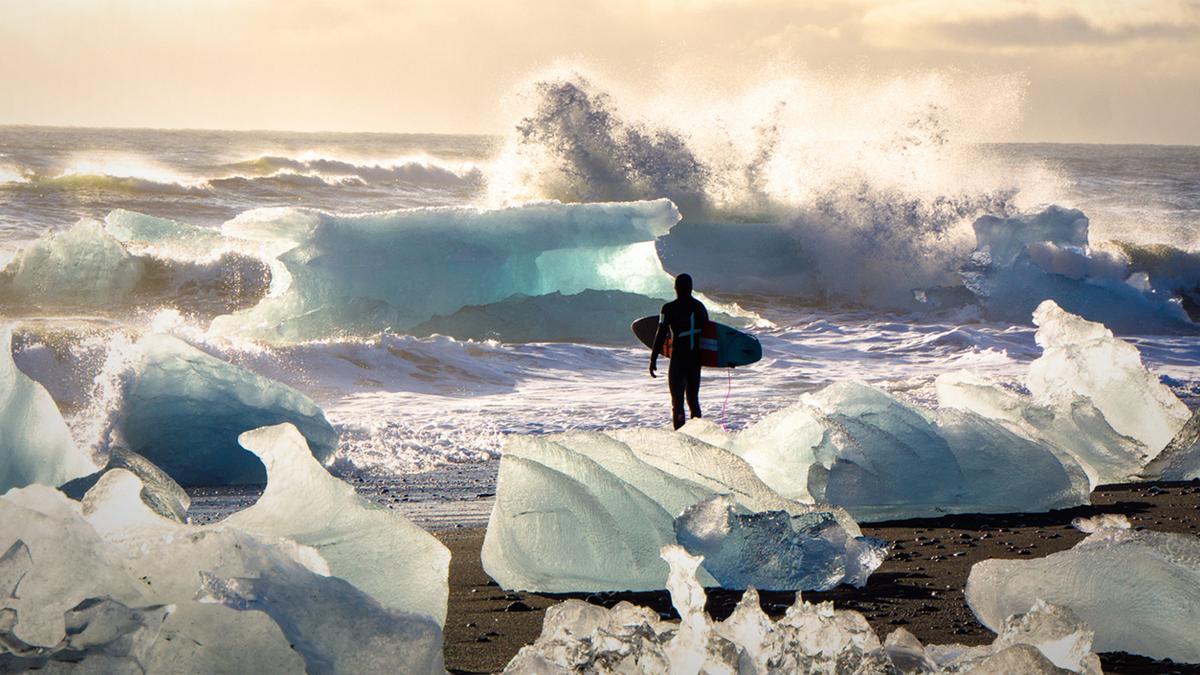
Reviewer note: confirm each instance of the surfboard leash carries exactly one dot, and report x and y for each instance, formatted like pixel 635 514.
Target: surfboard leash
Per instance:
pixel 728 388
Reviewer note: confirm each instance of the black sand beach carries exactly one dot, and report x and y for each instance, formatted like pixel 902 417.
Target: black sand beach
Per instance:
pixel 919 587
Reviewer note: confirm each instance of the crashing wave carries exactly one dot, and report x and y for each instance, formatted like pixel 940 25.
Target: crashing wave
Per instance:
pixel 413 171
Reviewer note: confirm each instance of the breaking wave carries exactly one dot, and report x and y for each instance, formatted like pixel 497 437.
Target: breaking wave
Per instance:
pixel 884 179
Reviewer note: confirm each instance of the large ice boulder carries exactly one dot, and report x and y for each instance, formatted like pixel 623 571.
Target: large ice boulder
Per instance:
pixel 184 410
pixel 858 447
pixel 111 586
pixel 398 269
pixel 378 550
pixel 590 511
pixel 35 443
pixel 1091 400
pixel 80 266
pixel 579 637
pixel 1081 358
pixel 775 550
pixel 1138 589
pixel 1022 260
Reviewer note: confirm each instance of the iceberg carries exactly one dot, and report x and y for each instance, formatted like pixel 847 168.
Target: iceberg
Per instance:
pixel 880 458
pixel 377 550
pixel 1091 400
pixel 365 273
pixel 579 637
pixel 1083 359
pixel 589 511
pixel 80 266
pixel 206 403
pixel 35 443
pixel 1021 261
pixel 1115 578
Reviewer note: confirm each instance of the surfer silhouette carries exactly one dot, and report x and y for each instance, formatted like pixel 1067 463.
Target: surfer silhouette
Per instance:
pixel 682 319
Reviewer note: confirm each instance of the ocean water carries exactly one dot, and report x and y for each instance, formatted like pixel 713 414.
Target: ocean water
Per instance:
pixel 446 290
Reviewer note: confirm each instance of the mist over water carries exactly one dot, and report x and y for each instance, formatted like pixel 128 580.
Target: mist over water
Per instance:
pixel 838 220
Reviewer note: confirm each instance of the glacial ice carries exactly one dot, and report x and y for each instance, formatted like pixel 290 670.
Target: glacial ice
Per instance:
pixel 205 403
pixel 79 266
pixel 774 550
pixel 1115 579
pixel 35 444
pixel 589 512
pixel 111 586
pixel 1021 261
pixel 1092 400
pixel 398 269
pixel 1083 359
pixel 579 637
pixel 1180 460
pixel 377 550
pixel 159 492
pixel 881 458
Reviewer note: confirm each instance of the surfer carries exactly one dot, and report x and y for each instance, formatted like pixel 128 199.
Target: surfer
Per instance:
pixel 682 319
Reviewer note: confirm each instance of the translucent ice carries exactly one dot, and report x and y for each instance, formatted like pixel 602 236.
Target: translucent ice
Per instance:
pixel 398 269
pixel 878 457
pixel 578 637
pixel 109 585
pixel 1092 401
pixel 82 265
pixel 774 550
pixel 1139 590
pixel 1180 460
pixel 1023 260
pixel 35 444
pixel 205 403
pixel 159 492
pixel 1083 359
pixel 590 511
pixel 376 549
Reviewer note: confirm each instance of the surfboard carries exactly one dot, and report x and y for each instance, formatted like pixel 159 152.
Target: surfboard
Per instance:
pixel 720 346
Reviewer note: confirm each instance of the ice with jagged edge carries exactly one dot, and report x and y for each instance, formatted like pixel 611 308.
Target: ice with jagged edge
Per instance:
pixel 205 403
pixel 580 637
pixel 110 585
pixel 1022 260
pixel 1180 460
pixel 589 511
pixel 35 443
pixel 79 266
pixel 163 495
pixel 1091 399
pixel 376 549
pixel 880 458
pixel 1138 589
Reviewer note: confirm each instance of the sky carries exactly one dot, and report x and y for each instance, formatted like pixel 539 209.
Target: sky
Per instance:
pixel 1124 71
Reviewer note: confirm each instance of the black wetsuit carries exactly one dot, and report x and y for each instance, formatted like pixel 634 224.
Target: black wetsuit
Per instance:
pixel 682 319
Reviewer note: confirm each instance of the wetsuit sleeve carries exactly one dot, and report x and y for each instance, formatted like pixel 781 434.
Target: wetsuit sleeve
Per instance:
pixel 703 313
pixel 660 337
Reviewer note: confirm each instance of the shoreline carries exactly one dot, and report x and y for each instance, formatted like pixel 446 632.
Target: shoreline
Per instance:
pixel 920 585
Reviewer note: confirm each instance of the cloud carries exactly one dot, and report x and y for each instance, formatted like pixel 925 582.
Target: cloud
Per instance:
pixel 989 24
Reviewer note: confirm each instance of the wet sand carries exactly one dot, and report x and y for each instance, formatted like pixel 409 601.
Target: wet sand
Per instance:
pixel 918 587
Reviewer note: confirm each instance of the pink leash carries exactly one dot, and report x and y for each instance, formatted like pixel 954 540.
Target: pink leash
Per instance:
pixel 728 387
